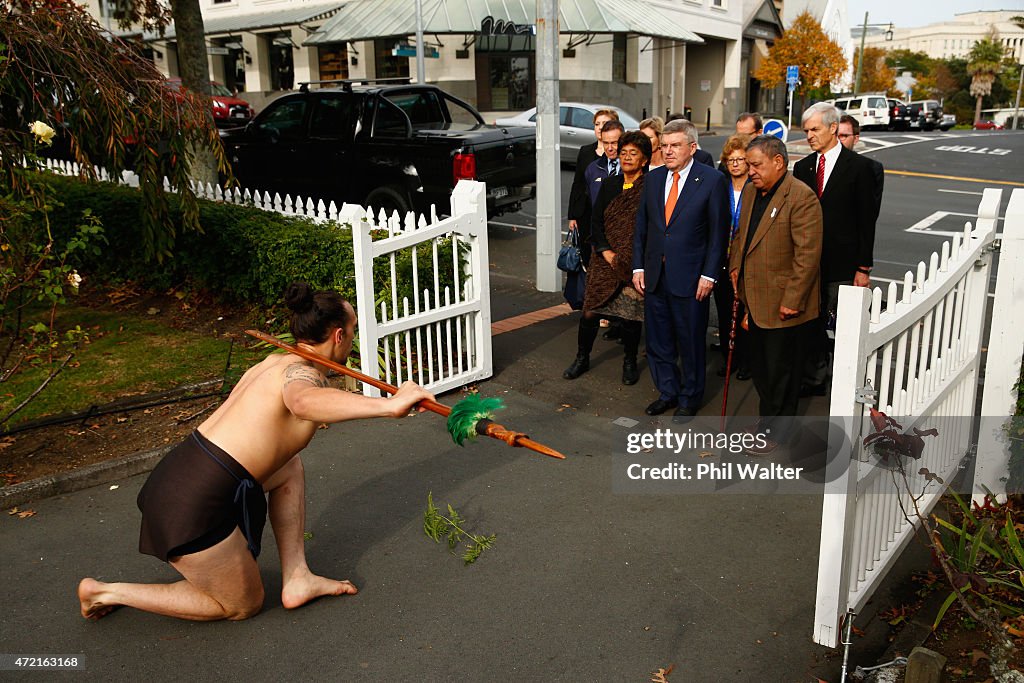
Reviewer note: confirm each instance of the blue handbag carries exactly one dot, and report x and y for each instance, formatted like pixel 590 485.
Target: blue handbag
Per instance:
pixel 569 258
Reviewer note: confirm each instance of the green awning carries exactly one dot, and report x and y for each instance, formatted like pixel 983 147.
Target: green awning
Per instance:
pixel 265 20
pixel 369 19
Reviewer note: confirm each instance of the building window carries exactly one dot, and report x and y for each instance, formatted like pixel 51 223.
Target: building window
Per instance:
pixel 387 64
pixel 333 63
pixel 619 58
pixel 282 67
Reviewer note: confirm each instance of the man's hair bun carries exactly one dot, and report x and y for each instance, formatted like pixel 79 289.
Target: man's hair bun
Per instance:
pixel 299 297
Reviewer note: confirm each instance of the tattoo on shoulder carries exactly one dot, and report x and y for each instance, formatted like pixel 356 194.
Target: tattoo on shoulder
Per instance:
pixel 297 372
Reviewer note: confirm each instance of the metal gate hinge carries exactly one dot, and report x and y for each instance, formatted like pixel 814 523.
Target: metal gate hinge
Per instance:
pixel 866 395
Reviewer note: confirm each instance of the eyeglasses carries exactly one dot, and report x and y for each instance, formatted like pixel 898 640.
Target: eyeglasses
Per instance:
pixel 736 162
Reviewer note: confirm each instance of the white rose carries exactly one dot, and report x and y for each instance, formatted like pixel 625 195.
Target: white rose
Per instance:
pixel 43 132
pixel 74 279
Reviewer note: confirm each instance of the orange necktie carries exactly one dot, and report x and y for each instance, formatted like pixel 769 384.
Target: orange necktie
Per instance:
pixel 673 195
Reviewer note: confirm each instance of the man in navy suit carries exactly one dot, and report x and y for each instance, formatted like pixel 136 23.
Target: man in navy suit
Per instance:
pixel 678 250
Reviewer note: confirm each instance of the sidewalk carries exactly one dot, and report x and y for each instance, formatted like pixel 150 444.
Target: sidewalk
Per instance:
pixel 582 584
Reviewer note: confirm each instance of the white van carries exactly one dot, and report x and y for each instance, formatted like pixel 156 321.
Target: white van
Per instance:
pixel 871 111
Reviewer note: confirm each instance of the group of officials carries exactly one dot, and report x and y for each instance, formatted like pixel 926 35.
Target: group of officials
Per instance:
pixel 785 240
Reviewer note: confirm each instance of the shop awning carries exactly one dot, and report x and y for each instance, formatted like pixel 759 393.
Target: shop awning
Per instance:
pixel 265 20
pixel 368 19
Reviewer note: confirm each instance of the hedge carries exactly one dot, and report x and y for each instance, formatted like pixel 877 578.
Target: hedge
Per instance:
pixel 243 254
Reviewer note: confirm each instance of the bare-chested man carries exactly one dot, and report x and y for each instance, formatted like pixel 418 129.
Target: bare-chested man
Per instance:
pixel 203 507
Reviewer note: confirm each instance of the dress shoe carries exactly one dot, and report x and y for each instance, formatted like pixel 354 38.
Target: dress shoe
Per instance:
pixel 716 346
pixel 683 414
pixel 767 447
pixel 660 406
pixel 630 372
pixel 578 367
pixel 812 390
pixel 743 374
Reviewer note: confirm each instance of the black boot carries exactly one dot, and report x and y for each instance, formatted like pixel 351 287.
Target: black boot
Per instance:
pixel 578 367
pixel 585 337
pixel 630 371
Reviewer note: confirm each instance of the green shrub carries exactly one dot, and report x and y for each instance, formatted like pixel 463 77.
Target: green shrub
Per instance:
pixel 242 254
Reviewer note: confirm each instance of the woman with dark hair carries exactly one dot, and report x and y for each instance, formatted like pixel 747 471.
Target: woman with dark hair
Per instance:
pixel 610 291
pixel 206 502
pixel 734 160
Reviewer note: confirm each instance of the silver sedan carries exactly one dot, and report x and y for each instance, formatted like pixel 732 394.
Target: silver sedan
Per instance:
pixel 576 125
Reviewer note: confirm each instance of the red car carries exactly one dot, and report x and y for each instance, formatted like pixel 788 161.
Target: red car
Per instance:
pixel 987 125
pixel 228 110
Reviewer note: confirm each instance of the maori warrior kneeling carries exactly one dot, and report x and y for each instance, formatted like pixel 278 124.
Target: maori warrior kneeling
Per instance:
pixel 205 504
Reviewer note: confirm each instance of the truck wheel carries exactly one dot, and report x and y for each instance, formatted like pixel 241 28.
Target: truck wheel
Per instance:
pixel 390 199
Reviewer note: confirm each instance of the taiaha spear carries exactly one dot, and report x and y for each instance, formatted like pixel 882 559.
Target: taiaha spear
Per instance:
pixel 470 415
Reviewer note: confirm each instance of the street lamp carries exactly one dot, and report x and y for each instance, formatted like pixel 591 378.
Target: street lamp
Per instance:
pixel 860 57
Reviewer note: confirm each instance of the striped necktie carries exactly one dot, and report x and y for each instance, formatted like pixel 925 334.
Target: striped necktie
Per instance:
pixel 821 174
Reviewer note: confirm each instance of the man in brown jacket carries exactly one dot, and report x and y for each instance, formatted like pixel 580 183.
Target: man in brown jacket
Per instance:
pixel 776 274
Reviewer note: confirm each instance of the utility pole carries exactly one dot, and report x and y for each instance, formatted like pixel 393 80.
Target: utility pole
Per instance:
pixel 420 56
pixel 549 168
pixel 860 57
pixel 1016 105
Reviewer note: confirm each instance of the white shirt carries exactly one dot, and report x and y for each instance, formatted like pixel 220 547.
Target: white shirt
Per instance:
pixel 831 157
pixel 684 172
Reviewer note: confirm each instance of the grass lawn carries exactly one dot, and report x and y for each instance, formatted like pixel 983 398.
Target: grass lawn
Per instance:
pixel 126 353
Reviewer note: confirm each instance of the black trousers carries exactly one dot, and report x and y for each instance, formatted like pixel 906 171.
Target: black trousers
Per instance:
pixel 776 363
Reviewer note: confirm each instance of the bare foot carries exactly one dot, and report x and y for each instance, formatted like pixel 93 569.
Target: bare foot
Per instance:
pixel 304 586
pixel 89 594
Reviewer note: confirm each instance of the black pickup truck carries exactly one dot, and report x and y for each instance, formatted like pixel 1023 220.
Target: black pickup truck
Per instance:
pixel 396 147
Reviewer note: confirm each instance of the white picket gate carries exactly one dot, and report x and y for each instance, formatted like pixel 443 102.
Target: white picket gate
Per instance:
pixel 920 355
pixel 442 338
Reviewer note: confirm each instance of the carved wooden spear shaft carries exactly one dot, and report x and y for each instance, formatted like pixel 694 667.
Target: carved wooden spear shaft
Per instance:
pixel 484 427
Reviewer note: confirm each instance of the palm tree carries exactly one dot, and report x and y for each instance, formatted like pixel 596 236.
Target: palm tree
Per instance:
pixel 984 62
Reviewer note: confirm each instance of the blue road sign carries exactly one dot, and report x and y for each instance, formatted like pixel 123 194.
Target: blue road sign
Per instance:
pixel 792 75
pixel 776 128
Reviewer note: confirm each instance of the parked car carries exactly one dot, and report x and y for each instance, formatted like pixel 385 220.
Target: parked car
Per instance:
pixel 575 123
pixel 899 114
pixel 987 125
pixel 228 110
pixel 871 111
pixel 948 121
pixel 925 114
pixel 392 147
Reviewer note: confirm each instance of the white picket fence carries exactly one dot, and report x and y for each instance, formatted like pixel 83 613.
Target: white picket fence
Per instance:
pixel 916 359
pixel 317 211
pixel 441 339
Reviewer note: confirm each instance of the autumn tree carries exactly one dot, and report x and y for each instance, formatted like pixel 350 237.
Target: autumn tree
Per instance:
pixel 984 64
pixel 805 45
pixel 876 75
